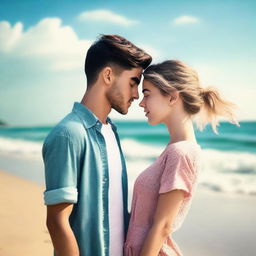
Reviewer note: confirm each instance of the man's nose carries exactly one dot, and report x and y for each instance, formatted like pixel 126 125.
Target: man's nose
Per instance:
pixel 135 94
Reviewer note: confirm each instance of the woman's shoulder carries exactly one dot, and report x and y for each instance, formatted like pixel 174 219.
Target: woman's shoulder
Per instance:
pixel 184 156
pixel 187 149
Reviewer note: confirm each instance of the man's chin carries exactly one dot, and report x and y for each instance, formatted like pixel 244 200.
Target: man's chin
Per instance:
pixel 121 111
pixel 124 112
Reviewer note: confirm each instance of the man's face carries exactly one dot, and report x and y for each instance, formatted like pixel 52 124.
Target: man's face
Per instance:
pixel 124 90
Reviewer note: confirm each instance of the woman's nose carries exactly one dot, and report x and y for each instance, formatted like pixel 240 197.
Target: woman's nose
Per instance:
pixel 142 103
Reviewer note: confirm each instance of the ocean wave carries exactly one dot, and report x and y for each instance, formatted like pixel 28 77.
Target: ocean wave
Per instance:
pixel 222 171
pixel 134 149
pixel 20 148
pixel 229 172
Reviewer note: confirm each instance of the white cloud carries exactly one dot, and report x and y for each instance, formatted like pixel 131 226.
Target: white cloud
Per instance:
pixel 186 19
pixel 9 36
pixel 48 41
pixel 155 53
pixel 106 16
pixel 42 69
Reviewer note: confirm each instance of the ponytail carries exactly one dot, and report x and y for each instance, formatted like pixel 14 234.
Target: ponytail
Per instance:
pixel 214 105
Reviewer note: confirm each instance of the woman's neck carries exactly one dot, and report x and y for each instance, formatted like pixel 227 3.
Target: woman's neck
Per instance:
pixel 181 129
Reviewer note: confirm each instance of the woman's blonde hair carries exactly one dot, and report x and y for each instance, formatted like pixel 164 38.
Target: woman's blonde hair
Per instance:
pixel 174 75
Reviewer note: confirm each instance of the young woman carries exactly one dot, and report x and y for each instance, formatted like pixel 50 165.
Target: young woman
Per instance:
pixel 163 192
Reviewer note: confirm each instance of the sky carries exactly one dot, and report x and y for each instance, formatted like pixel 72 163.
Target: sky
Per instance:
pixel 43 46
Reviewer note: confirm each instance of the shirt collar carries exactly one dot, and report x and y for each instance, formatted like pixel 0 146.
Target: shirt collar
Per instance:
pixel 88 118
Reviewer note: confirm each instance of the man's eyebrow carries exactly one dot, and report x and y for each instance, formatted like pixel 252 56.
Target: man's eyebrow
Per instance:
pixel 145 90
pixel 136 80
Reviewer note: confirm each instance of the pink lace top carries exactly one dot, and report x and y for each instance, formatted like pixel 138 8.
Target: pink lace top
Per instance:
pixel 176 168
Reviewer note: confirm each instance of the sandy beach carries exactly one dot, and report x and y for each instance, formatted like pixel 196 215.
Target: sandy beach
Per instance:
pixel 217 224
pixel 22 218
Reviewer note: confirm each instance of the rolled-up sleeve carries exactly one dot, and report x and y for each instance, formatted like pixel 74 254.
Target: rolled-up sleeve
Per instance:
pixel 61 170
pixel 67 195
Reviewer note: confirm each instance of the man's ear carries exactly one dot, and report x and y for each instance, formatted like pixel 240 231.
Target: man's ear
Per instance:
pixel 174 96
pixel 108 75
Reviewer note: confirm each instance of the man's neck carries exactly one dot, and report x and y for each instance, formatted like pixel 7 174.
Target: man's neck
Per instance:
pixel 97 103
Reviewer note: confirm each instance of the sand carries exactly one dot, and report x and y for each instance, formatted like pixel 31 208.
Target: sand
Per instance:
pixel 22 218
pixel 217 224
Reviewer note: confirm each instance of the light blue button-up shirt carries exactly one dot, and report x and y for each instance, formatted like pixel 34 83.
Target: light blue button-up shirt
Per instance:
pixel 76 171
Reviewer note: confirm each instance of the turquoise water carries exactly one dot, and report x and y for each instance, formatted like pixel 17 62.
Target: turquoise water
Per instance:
pixel 230 138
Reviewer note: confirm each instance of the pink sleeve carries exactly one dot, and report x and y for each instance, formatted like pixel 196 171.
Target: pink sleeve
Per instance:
pixel 177 174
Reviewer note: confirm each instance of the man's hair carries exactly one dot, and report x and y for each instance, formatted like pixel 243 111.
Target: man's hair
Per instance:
pixel 115 51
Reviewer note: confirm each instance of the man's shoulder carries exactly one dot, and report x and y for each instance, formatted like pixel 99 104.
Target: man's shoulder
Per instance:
pixel 70 127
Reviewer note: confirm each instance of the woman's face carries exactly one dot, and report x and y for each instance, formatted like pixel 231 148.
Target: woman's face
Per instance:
pixel 156 106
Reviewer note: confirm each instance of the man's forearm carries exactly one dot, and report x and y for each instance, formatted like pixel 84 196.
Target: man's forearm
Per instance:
pixel 63 239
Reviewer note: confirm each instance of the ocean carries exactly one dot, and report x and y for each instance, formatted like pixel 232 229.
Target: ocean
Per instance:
pixel 229 158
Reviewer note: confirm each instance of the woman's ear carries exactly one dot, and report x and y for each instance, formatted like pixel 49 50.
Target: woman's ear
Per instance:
pixel 108 76
pixel 174 96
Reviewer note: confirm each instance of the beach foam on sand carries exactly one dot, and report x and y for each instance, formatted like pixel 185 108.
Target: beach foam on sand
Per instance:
pixel 22 218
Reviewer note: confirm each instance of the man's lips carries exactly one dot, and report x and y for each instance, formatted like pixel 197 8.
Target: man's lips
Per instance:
pixel 147 112
pixel 130 102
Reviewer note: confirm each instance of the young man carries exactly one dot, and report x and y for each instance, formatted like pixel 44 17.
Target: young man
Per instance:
pixel 86 180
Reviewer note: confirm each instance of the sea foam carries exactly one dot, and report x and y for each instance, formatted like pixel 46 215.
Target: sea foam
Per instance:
pixel 222 171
